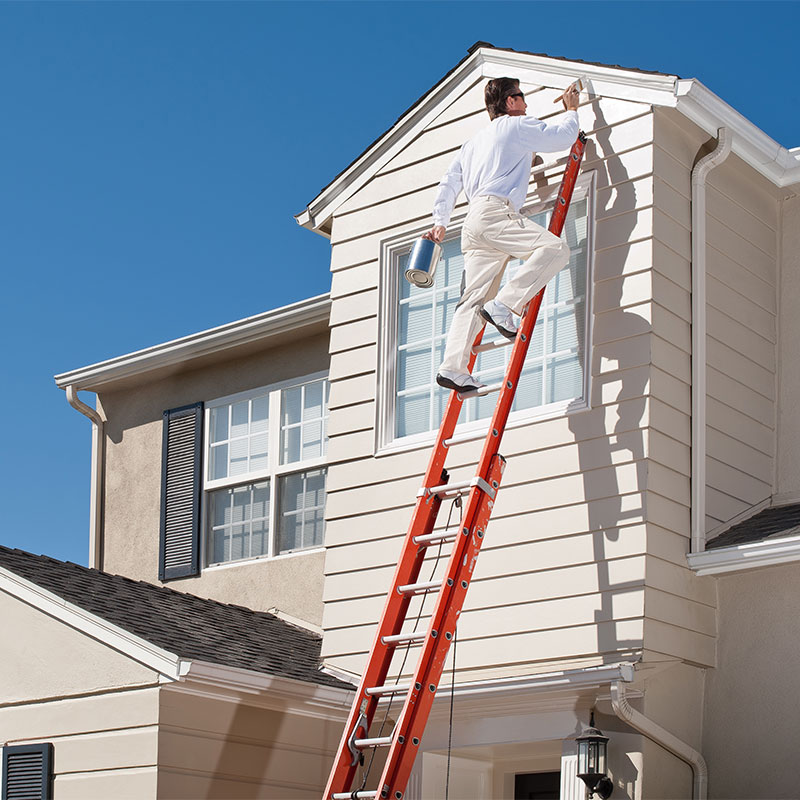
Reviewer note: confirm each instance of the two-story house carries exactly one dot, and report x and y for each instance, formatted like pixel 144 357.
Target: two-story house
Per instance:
pixel 639 561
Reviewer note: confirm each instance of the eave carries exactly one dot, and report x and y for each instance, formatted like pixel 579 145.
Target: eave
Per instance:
pixel 257 329
pixel 689 97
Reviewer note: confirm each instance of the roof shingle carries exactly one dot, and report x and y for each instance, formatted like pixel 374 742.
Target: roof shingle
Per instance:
pixel 771 523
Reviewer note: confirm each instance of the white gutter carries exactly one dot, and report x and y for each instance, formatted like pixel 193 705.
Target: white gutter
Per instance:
pixel 766 553
pixel 96 489
pixel 699 176
pixel 661 736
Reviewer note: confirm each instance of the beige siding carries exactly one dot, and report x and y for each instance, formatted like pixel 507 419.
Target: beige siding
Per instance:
pixel 104 745
pixel 133 479
pixel 571 509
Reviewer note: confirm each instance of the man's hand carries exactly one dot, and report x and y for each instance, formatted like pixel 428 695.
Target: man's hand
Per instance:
pixel 436 233
pixel 571 98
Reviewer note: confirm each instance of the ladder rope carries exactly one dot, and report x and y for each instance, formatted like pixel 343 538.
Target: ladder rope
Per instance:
pixel 450 732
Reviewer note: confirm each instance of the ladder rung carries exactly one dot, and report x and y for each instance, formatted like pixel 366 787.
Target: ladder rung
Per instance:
pixel 379 741
pixel 389 688
pixel 400 638
pixel 419 588
pixel 446 489
pixel 348 795
pixel 484 390
pixel 482 348
pixel 434 538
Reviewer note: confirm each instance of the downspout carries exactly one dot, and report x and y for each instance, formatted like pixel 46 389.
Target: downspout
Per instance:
pixel 661 736
pixel 96 490
pixel 699 176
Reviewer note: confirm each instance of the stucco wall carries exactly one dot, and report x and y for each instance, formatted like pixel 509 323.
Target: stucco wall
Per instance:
pixel 752 704
pixel 788 473
pixel 133 480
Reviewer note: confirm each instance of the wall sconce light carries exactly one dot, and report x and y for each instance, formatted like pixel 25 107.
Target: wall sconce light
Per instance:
pixel 592 754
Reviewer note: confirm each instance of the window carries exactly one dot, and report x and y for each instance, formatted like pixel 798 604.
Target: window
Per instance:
pixel 417 321
pixel 265 471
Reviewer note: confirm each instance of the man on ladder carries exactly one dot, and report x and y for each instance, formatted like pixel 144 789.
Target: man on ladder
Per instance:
pixel 494 168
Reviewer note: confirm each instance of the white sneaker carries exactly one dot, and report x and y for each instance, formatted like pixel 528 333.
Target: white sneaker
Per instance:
pixel 459 381
pixel 502 317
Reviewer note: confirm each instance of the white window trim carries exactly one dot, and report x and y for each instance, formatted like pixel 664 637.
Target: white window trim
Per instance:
pixel 272 472
pixel 386 376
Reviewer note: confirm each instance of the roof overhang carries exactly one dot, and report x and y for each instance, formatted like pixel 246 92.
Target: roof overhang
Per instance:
pixel 259 329
pixel 689 97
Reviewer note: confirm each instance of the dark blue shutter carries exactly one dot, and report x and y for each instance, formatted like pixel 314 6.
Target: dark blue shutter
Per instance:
pixel 181 492
pixel 28 772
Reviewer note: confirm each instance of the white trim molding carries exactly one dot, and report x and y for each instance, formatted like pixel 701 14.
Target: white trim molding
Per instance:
pixel 766 553
pixel 315 310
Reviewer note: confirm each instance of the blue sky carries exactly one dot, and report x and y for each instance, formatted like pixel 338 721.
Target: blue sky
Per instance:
pixel 152 156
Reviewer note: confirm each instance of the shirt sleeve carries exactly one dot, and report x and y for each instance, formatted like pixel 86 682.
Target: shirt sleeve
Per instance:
pixel 541 137
pixel 449 187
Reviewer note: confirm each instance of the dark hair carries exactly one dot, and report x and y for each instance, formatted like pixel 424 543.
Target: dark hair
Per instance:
pixel 497 91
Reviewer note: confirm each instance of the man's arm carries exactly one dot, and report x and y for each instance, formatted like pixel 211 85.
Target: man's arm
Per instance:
pixel 550 138
pixel 449 188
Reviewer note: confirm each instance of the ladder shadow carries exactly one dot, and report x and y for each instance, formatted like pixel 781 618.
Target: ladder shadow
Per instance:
pixel 601 475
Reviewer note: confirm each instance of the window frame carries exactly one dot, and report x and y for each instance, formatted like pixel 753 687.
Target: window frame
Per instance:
pixel 392 250
pixel 273 472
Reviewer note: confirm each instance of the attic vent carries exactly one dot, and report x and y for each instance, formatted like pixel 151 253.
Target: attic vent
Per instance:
pixel 27 772
pixel 180 492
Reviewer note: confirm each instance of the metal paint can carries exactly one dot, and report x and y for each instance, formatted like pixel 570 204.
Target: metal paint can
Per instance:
pixel 422 262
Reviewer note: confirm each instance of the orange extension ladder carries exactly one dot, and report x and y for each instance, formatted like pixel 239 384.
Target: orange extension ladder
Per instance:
pixel 403 743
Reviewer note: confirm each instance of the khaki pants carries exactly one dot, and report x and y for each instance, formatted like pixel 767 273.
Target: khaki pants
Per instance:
pixel 492 235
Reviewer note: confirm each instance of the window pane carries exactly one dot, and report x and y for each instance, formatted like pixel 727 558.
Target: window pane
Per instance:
pixel 238 453
pixel 240 418
pixel 312 405
pixel 218 465
pixel 260 411
pixel 219 424
pixel 291 446
pixel 291 405
pixel 302 509
pixel 240 522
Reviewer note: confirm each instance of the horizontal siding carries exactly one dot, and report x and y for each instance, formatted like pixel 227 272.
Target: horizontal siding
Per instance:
pixel 105 745
pixel 577 488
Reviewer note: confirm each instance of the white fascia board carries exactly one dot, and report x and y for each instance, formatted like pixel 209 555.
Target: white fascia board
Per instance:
pixel 768 553
pixel 243 331
pixel 203 678
pixel 169 665
pixel 750 143
pixel 617 82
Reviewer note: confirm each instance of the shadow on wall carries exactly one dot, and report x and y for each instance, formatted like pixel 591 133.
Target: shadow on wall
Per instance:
pixel 627 442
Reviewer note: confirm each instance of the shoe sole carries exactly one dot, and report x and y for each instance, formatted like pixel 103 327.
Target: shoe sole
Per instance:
pixel 448 384
pixel 507 333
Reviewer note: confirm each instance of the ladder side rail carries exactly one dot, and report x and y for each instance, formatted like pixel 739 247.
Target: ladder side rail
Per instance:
pixel 441 630
pixel 408 567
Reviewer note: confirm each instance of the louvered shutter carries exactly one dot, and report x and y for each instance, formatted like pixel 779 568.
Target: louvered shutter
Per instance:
pixel 181 487
pixel 27 772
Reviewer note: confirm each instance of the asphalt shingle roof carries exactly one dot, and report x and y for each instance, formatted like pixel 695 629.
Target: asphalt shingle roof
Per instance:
pixel 771 523
pixel 189 626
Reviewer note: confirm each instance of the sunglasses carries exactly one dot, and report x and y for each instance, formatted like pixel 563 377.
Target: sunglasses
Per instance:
pixel 518 94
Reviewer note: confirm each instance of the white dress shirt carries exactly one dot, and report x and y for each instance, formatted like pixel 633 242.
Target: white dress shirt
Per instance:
pixel 497 160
